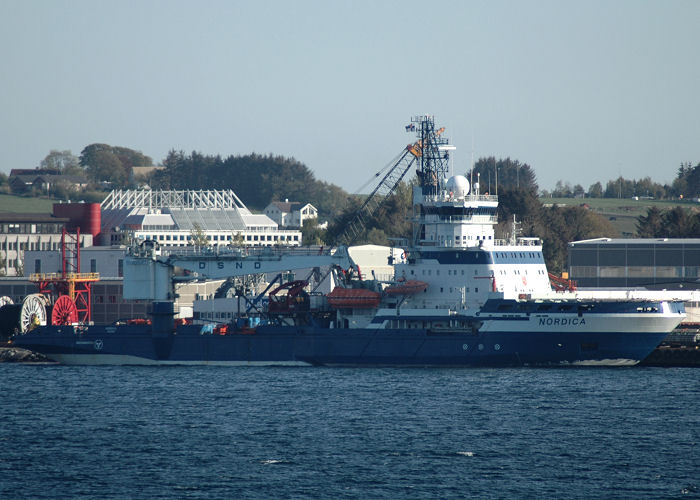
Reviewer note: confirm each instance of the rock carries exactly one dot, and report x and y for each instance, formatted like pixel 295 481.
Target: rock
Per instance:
pixel 17 355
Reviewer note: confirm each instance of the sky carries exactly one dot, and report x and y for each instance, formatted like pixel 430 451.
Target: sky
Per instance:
pixel 580 91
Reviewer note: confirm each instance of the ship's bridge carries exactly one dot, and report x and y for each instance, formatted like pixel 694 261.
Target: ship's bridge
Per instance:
pixel 457 219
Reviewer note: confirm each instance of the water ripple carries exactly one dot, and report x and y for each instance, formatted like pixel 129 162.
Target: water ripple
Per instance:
pixel 143 432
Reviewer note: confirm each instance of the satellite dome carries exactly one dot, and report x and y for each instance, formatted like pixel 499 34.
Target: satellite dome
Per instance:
pixel 458 185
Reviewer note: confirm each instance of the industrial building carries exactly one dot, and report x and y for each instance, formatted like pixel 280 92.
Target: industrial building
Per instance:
pixel 654 263
pixel 21 232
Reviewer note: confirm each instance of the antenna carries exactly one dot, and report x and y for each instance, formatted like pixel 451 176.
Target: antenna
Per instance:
pixel 471 168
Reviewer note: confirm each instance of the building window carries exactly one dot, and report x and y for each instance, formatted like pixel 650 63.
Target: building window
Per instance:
pixel 120 268
pixel 37 265
pixel 93 265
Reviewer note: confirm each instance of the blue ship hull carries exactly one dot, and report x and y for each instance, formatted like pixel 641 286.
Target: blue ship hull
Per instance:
pixel 294 345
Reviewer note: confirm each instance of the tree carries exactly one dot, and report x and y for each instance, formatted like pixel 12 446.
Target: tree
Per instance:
pixel 523 204
pixel 562 190
pixel 199 238
pixel 692 179
pixel 257 179
pixel 680 223
pixel 106 167
pixel 651 225
pixel 595 190
pixel 377 237
pixel 312 234
pixel 63 161
pixel 113 164
pixel 620 188
pixel 508 173
pixel 557 226
pixel 237 239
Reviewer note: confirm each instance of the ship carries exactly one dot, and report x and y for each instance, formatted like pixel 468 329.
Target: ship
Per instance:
pixel 458 297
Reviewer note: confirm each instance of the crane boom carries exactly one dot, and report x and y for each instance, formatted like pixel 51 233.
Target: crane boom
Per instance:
pixel 426 146
pixel 376 198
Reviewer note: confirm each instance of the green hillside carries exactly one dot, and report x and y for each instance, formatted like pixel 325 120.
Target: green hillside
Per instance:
pixel 621 212
pixel 11 203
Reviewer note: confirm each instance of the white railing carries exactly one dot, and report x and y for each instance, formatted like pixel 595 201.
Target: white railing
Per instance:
pixel 467 198
pixel 523 242
pixel 189 198
pixel 245 251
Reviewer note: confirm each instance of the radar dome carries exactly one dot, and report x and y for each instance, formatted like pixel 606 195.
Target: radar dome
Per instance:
pixel 458 185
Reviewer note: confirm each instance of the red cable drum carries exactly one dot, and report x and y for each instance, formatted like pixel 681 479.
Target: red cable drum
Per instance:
pixel 64 311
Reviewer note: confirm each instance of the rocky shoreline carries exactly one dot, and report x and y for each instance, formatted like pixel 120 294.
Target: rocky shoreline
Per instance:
pixel 17 355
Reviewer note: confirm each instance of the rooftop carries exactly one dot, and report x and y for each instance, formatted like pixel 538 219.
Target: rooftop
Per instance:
pixel 637 241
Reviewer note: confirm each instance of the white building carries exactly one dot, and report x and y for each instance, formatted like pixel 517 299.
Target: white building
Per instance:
pixel 290 213
pixel 20 233
pixel 175 218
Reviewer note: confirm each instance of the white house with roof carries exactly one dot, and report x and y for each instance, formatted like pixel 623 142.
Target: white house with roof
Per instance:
pixel 290 213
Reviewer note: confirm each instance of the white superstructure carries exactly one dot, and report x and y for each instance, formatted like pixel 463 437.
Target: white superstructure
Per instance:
pixel 458 255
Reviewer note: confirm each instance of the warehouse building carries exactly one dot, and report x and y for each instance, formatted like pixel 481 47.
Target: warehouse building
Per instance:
pixel 654 263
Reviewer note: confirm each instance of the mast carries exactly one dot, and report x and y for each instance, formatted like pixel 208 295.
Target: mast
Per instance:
pixel 432 153
pixel 433 164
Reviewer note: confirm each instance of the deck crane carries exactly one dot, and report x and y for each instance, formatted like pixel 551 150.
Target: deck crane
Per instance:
pixel 426 146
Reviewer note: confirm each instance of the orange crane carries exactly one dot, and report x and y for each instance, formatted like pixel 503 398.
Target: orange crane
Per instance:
pixel 391 180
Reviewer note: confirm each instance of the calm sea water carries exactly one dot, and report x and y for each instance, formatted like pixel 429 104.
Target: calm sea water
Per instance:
pixel 138 432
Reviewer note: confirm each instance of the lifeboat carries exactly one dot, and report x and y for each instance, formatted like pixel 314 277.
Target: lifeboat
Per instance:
pixel 409 287
pixel 358 298
pixel 138 321
pixel 221 330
